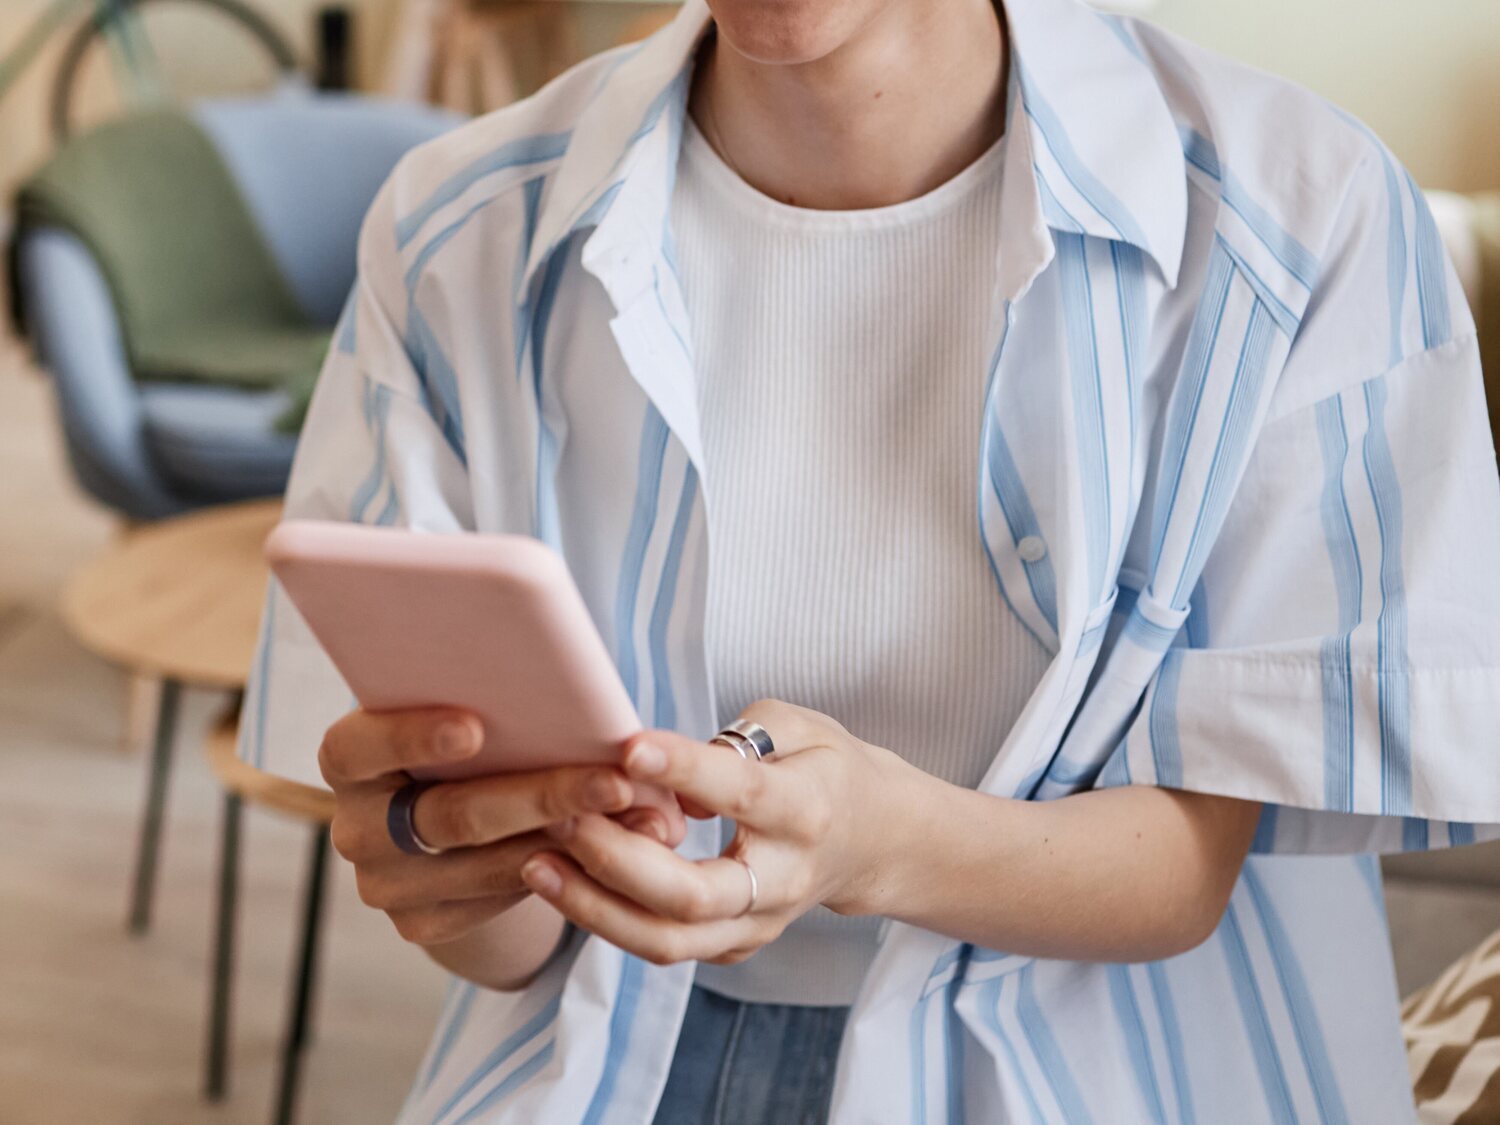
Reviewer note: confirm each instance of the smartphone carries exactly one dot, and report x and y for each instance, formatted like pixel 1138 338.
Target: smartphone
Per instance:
pixel 492 624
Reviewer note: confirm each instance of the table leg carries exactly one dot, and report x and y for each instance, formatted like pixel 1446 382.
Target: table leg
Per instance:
pixel 299 1019
pixel 216 1078
pixel 156 800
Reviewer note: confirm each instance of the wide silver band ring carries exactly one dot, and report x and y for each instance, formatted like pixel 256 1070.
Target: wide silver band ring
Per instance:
pixel 398 820
pixel 748 739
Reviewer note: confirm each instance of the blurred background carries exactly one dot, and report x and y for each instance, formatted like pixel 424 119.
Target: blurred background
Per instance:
pixel 175 945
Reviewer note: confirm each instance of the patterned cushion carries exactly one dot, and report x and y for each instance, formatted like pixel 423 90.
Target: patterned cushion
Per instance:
pixel 1453 1041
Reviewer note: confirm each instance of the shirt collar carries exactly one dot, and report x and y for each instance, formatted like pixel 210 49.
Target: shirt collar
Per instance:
pixel 1105 153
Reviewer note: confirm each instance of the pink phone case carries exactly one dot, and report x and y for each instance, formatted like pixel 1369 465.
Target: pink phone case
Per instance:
pixel 490 623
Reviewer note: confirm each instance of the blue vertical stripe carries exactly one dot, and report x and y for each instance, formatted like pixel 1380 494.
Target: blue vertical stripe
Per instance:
pixel 540 320
pixel 531 195
pixel 666 594
pixel 1088 405
pixel 1020 519
pixel 1348 578
pixel 1166 751
pixel 653 451
pixel 1394 687
pixel 1130 290
pixel 1171 1033
pixel 1048 1055
pixel 1230 447
pixel 1133 1028
pixel 989 1005
pixel 1432 273
pixel 1414 834
pixel 1264 841
pixel 1187 395
pixel 1197 623
pixel 1257 1022
pixel 1395 255
pixel 449 1028
pixel 953 1047
pixel 378 417
pixel 627 999
pixel 1299 1003
pixel 953 961
pixel 916 1047
pixel 438 379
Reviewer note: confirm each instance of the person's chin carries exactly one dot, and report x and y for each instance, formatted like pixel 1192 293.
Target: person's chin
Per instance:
pixel 783 32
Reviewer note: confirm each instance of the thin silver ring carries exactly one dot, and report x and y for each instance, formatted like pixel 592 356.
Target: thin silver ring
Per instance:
pixel 754 884
pixel 746 737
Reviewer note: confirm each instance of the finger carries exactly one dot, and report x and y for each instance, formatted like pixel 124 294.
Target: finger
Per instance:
pixel 650 875
pixel 465 814
pixel 757 793
pixel 646 822
pixel 364 745
pixel 412 882
pixel 449 921
pixel 662 802
pixel 662 941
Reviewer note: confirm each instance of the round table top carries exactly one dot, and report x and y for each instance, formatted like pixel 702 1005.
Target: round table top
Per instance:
pixel 180 599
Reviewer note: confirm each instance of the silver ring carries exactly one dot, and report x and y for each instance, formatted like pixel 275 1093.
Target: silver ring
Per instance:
pixel 754 884
pixel 745 737
pixel 398 820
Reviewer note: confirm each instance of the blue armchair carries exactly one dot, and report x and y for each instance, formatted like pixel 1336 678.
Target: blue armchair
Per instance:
pixel 308 166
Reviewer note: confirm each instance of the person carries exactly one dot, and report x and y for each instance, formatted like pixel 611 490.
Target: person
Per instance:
pixel 1063 447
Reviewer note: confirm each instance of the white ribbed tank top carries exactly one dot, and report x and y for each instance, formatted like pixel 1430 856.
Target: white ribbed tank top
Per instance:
pixel 841 365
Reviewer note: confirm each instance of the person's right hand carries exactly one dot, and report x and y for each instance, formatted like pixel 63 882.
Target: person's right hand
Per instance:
pixel 492 824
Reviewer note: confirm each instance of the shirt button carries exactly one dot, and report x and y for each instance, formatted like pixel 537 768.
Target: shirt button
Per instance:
pixel 1031 549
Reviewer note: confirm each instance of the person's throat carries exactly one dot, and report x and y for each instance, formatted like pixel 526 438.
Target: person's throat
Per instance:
pixel 887 117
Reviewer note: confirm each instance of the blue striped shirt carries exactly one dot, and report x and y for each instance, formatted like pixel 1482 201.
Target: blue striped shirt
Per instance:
pixel 1233 393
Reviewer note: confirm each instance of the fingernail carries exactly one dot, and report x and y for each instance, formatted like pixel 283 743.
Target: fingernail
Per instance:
pixel 647 759
pixel 455 740
pixel 541 878
pixel 604 791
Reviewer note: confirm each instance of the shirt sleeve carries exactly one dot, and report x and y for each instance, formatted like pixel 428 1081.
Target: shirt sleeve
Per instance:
pixel 1341 658
pixel 373 450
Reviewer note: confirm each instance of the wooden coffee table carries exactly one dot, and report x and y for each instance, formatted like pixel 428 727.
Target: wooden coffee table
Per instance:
pixel 179 601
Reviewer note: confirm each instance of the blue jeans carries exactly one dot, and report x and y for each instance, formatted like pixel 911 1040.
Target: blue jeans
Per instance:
pixel 749 1064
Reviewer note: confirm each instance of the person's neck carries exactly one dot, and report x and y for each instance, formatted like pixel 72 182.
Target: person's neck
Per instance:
pixel 889 116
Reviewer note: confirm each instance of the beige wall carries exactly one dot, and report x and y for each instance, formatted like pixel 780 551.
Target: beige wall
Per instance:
pixel 1425 74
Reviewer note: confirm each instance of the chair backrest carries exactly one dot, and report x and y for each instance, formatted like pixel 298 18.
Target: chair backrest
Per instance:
pixel 308 165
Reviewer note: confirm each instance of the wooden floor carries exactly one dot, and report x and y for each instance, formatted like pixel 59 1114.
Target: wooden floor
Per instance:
pixel 98 1028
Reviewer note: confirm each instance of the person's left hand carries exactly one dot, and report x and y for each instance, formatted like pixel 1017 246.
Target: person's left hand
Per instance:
pixel 814 822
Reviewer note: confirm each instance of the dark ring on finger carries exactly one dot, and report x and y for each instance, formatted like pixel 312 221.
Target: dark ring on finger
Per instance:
pixel 399 823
